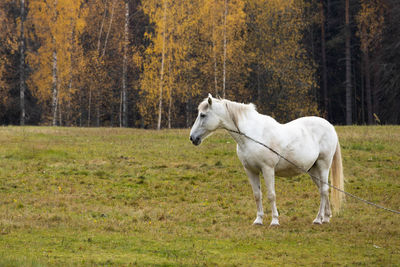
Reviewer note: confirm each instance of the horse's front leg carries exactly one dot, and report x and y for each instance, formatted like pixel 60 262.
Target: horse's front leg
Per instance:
pixel 255 185
pixel 269 177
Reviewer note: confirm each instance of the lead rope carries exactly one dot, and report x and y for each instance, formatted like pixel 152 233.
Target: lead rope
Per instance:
pixel 305 171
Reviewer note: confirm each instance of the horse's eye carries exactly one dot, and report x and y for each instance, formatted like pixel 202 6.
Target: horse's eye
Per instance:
pixel 202 115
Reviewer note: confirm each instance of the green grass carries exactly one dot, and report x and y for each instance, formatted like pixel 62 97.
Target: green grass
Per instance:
pixel 71 196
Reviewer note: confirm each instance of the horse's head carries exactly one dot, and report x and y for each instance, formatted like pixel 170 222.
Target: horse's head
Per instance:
pixel 207 120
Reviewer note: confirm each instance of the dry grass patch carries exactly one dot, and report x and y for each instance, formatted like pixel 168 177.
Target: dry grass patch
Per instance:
pixel 78 196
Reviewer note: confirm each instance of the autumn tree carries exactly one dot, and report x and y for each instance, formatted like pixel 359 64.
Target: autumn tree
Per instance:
pixel 105 34
pixel 149 63
pixel 22 49
pixel 196 48
pixel 283 76
pixel 160 73
pixel 12 67
pixel 370 22
pixel 57 25
pixel 224 32
pixel 123 121
pixel 113 44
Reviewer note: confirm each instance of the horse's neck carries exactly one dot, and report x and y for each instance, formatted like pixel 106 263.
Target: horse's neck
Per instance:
pixel 238 126
pixel 253 124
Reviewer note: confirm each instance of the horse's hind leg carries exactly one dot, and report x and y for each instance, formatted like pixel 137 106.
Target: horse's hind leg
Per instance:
pixel 320 175
pixel 255 185
pixel 269 177
pixel 328 212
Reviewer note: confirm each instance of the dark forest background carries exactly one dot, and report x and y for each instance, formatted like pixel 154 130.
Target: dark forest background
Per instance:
pixel 148 64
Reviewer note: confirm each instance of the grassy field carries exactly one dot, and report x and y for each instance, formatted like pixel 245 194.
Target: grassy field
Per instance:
pixel 71 196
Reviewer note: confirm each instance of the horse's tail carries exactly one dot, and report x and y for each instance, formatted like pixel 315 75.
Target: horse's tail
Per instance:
pixel 337 180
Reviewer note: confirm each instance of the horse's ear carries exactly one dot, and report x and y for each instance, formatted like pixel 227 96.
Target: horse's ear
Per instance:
pixel 209 99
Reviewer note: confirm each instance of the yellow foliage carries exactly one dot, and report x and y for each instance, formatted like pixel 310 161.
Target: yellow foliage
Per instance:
pixel 275 37
pixel 247 41
pixel 370 22
pixel 57 24
pixel 193 44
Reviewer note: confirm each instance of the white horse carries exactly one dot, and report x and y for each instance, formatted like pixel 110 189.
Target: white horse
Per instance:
pixel 311 143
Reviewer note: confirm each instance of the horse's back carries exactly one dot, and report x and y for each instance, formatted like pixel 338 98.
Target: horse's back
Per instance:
pixel 311 121
pixel 311 138
pixel 303 141
pixel 323 133
pixel 318 127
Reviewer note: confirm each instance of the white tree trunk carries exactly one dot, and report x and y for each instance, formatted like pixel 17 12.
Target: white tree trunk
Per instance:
pixel 214 58
pixel 120 111
pixel 54 102
pixel 68 112
pixel 89 106
pixel 124 70
pixel 98 53
pixel 71 74
pixel 101 30
pixel 170 93
pixel 109 29
pixel 59 115
pixel 224 63
pixel 162 68
pixel 169 112
pixel 98 113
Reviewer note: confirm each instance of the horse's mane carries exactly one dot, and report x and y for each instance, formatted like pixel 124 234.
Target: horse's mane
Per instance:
pixel 238 109
pixel 235 109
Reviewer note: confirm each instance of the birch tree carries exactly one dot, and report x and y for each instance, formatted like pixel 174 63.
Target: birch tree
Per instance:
pixel 51 80
pixel 124 103
pixel 224 60
pixel 223 29
pixel 285 75
pixel 22 49
pixel 162 66
pixel 155 63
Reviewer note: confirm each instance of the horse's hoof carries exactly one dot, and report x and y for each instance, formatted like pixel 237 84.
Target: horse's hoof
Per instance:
pixel 325 220
pixel 258 221
pixel 257 224
pixel 274 224
pixel 317 221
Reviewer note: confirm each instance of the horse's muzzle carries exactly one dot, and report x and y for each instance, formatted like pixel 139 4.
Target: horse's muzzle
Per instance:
pixel 196 141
